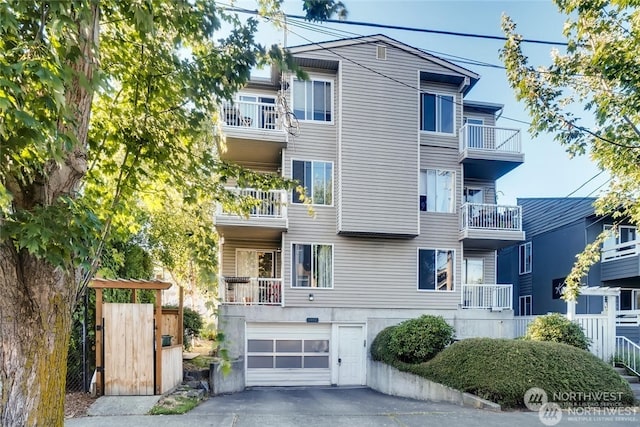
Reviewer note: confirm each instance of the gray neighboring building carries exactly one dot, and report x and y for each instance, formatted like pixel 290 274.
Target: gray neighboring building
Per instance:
pixel 400 169
pixel 558 229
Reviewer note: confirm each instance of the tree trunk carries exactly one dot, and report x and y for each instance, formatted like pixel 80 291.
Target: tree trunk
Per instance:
pixel 36 302
pixel 36 297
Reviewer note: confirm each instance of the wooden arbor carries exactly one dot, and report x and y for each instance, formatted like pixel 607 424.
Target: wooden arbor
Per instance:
pixel 149 377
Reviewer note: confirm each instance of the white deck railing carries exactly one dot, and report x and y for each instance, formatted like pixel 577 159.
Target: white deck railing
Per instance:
pixel 490 217
pixel 495 297
pixel 490 138
pixel 628 353
pixel 269 204
pixel 251 114
pixel 628 318
pixel 251 291
pixel 621 250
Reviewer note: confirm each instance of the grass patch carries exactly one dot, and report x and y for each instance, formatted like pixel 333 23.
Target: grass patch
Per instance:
pixel 174 405
pixel 203 361
pixel 502 371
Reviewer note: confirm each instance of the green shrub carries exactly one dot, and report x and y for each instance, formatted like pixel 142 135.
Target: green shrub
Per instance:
pixel 502 371
pixel 418 340
pixel 557 328
pixel 380 346
pixel 192 321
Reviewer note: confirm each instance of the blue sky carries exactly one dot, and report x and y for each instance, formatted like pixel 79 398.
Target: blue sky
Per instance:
pixel 548 171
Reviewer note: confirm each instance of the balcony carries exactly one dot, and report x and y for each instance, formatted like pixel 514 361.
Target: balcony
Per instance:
pixel 489 152
pixel 620 261
pixel 251 291
pixel 267 219
pixel 487 226
pixel 254 132
pixel 484 296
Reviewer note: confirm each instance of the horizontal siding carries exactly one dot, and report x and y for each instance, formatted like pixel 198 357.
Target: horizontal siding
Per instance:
pixel 489 119
pixel 489 188
pixel 620 268
pixel 378 143
pixel 489 260
pixel 229 253
pixel 368 272
pixel 526 285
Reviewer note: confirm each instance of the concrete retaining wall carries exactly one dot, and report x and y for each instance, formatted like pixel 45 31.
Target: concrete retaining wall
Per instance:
pixel 388 380
pixel 231 383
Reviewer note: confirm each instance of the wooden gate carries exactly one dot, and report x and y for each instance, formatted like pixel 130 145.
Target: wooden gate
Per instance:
pixel 128 349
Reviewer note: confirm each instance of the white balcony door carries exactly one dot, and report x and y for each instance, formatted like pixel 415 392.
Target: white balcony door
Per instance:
pixel 473 271
pixel 475 132
pixel 255 263
pixel 474 195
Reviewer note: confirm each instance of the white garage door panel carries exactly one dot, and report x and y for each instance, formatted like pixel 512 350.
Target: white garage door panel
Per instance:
pixel 299 344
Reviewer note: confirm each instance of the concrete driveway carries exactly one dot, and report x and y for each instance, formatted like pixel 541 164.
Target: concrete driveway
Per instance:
pixel 330 407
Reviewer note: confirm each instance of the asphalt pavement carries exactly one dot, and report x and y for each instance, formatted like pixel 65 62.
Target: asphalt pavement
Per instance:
pixel 353 407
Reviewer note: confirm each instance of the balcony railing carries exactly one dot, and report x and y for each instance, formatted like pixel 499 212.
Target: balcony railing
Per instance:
pixel 628 318
pixel 490 138
pixel 251 114
pixel 269 204
pixel 494 297
pixel 251 291
pixel 490 217
pixel 621 250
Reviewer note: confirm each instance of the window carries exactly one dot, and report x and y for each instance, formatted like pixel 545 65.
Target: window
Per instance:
pixel 524 258
pixel 437 113
pixel 614 246
pixel 525 305
pixel 312 100
pixel 312 266
pixel 435 269
pixel 317 179
pixel 287 354
pixel 436 190
pixel 629 299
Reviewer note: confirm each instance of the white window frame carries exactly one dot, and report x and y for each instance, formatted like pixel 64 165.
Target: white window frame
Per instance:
pixel 454 103
pixel 522 302
pixel 295 199
pixel 453 279
pixel 452 204
pixel 293 265
pixel 311 80
pixel 522 264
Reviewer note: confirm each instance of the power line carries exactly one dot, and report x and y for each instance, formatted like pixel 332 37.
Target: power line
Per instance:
pixel 404 28
pixel 581 128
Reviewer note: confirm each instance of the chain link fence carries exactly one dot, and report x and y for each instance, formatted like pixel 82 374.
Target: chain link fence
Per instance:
pixel 81 358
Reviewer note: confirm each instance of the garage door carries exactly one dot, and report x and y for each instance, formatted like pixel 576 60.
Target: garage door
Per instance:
pixel 288 354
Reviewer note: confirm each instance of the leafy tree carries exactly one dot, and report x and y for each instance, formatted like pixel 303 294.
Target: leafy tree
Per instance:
pixel 103 105
pixel 598 73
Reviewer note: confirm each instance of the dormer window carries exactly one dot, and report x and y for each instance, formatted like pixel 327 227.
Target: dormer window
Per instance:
pixel 437 113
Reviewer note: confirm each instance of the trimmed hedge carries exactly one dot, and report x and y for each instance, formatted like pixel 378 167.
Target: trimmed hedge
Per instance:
pixel 557 328
pixel 502 370
pixel 418 340
pixel 380 346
